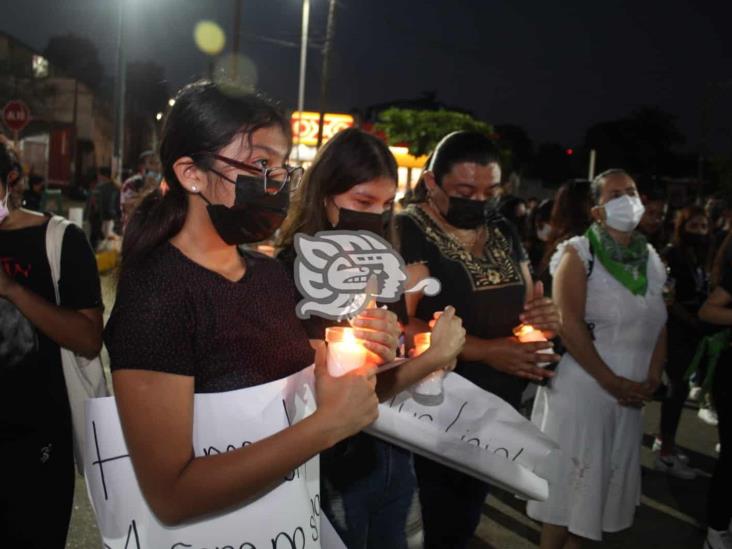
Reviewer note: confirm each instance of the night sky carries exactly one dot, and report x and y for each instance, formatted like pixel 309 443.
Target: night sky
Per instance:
pixel 552 67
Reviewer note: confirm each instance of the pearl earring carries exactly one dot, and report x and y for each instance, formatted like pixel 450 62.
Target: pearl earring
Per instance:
pixel 194 189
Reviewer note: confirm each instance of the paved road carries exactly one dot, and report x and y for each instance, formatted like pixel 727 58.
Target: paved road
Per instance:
pixel 670 516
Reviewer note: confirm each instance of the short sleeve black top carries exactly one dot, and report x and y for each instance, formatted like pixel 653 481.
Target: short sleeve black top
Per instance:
pixel 487 292
pixel 32 387
pixel 173 315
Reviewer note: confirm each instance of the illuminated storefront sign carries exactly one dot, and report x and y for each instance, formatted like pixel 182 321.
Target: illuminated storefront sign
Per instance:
pixel 305 126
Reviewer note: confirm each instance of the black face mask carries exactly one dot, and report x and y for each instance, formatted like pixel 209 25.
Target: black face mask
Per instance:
pixel 352 220
pixel 255 215
pixel 464 213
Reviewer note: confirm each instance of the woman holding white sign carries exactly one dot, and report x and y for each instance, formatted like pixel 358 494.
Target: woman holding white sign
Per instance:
pixel 368 488
pixel 608 285
pixel 195 314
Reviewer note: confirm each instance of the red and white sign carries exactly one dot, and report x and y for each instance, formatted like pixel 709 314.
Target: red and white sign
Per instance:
pixel 16 115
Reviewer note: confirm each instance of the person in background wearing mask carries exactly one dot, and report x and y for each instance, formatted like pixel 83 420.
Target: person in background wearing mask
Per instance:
pixel 652 224
pixel 571 216
pixel 540 230
pixel 454 233
pixel 368 486
pixel 35 420
pixel 689 262
pixel 195 313
pixel 145 179
pixel 608 285
pixel 33 195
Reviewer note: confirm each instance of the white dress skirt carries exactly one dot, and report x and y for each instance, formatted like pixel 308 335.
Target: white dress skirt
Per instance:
pixel 595 486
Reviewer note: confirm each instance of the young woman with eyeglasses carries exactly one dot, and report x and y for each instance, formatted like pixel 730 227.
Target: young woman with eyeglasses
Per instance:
pixel 195 314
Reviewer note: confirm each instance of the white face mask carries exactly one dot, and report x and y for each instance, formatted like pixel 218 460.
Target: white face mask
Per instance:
pixel 624 213
pixel 4 212
pixel 543 233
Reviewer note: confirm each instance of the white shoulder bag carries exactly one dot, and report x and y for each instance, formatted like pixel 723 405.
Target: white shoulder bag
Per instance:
pixel 84 378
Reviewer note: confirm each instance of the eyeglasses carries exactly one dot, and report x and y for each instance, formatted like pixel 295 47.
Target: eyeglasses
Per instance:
pixel 275 178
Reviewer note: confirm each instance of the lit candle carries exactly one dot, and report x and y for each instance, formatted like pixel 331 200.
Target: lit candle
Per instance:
pixel 526 333
pixel 345 351
pixel 431 384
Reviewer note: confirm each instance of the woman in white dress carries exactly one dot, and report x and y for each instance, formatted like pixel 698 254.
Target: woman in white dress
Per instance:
pixel 608 285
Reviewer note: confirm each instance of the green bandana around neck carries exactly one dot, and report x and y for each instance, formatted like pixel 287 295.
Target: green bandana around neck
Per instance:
pixel 626 264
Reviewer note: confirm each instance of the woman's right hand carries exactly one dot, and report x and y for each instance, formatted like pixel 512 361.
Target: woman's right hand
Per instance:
pixel 511 356
pixel 448 338
pixel 346 404
pixel 626 391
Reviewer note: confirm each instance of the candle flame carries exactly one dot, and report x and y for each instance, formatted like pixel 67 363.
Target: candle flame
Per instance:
pixel 348 336
pixel 524 329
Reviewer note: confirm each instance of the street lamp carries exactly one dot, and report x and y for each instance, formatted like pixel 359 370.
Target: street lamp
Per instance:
pixel 303 61
pixel 119 95
pixel 171 102
pixel 159 116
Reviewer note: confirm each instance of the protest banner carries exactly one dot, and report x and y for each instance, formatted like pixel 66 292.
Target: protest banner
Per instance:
pixel 473 431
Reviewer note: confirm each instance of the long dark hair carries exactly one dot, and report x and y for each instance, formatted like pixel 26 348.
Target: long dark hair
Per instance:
pixel 571 215
pixel 455 148
pixel 204 119
pixel 350 157
pixel 703 257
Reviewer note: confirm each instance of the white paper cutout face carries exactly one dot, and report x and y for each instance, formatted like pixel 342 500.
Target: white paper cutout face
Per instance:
pixel 339 272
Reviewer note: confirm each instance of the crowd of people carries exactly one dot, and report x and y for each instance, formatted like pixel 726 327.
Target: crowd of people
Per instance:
pixel 630 293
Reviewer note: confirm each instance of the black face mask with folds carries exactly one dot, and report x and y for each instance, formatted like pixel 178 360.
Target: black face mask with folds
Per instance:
pixel 255 215
pixel 352 220
pixel 465 213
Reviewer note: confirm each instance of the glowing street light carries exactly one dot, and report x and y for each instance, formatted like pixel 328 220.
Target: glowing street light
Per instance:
pixel 171 102
pixel 159 116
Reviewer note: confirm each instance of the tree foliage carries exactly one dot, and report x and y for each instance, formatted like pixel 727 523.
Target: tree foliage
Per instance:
pixel 422 130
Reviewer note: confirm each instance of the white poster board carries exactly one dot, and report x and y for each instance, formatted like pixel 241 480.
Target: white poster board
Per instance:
pixel 287 517
pixel 473 431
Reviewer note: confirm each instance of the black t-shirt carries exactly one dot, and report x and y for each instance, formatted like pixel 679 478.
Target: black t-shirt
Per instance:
pixel 487 292
pixel 173 315
pixel 32 387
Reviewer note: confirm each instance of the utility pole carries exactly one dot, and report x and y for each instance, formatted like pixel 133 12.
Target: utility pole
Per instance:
pixel 329 35
pixel 303 61
pixel 119 93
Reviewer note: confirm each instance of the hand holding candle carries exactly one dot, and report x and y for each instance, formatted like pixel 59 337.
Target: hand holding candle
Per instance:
pixel 379 330
pixel 541 312
pixel 345 351
pixel 526 333
pixel 430 385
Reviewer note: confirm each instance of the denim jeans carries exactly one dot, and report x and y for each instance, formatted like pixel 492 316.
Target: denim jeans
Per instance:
pixel 368 490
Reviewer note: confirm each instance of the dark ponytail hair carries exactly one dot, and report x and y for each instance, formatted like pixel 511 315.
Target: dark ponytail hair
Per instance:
pixel 204 119
pixel 454 148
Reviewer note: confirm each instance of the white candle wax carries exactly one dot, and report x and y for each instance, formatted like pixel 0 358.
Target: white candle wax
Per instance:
pixel 526 333
pixel 431 384
pixel 345 352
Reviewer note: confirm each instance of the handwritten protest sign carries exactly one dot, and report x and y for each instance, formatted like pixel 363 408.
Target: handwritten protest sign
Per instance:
pixel 287 517
pixel 472 431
